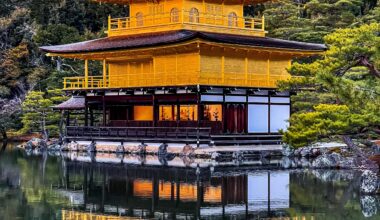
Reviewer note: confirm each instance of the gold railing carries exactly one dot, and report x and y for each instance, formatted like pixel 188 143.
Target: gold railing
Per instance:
pixel 177 79
pixel 82 83
pixel 184 19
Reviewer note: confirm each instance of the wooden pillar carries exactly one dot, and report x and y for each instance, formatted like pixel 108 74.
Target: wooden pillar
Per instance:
pixel 104 111
pixel 263 23
pixel 86 73
pixel 67 118
pixel 91 116
pixel 268 70
pixel 86 113
pixel 199 112
pixel 156 110
pixel 246 70
pixel 269 105
pixel 104 73
pixel 178 112
pixel 223 69
pixel 109 25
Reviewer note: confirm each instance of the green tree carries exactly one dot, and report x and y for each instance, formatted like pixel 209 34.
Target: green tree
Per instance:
pixel 338 95
pixel 38 115
pixel 311 20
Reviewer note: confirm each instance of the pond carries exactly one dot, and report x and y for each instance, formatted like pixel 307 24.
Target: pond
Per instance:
pixel 57 187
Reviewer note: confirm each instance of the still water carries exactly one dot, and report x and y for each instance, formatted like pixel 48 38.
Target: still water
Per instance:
pixel 58 187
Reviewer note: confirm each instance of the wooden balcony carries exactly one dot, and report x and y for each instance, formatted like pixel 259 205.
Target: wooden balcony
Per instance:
pixel 185 79
pixel 183 19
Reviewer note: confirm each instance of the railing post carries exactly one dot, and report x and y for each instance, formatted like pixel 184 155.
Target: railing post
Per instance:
pixel 109 25
pixel 104 73
pixel 86 73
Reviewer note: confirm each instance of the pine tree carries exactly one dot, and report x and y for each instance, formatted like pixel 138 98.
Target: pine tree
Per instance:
pixel 38 115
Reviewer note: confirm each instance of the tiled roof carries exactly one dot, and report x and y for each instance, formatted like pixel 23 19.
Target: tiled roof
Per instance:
pixel 172 37
pixel 74 103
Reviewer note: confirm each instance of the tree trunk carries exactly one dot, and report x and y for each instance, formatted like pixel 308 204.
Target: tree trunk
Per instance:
pixel 4 134
pixel 4 145
pixel 43 125
pixel 370 66
pixel 351 145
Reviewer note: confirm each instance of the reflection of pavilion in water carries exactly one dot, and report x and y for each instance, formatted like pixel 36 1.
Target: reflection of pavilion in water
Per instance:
pixel 169 193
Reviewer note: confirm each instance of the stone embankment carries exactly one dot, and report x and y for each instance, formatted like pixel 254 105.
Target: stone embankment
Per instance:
pixel 319 156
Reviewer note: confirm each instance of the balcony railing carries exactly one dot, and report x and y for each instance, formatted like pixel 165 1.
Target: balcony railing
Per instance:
pixel 81 82
pixel 184 19
pixel 178 79
pixel 151 134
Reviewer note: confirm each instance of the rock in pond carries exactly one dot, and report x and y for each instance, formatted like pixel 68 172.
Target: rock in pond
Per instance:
pixel 368 205
pixel 188 150
pixel 327 161
pixel 91 147
pixel 287 151
pixel 36 143
pixel 369 182
pixel 73 146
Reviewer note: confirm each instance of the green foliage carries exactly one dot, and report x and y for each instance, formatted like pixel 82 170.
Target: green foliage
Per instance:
pixel 56 34
pixel 38 116
pixel 326 120
pixel 339 94
pixel 311 20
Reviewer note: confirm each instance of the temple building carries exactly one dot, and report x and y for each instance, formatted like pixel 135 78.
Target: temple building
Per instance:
pixel 195 71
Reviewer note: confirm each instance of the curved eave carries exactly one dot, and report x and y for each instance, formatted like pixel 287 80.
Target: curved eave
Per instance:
pixel 99 55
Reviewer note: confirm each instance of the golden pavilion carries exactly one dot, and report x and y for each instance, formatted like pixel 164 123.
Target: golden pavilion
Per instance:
pixel 194 71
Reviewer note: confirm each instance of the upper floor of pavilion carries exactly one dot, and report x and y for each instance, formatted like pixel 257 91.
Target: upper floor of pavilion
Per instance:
pixel 217 16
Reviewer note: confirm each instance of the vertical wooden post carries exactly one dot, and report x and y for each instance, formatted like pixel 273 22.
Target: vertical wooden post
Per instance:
pixel 109 25
pixel 86 73
pixel 109 76
pixel 246 70
pixel 268 71
pixel 263 23
pixel 104 73
pixel 155 110
pixel 91 117
pixel 86 113
pixel 67 118
pixel 104 111
pixel 222 69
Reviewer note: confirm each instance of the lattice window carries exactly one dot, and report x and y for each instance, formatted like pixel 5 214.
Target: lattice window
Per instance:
pixel 174 15
pixel 194 15
pixel 232 19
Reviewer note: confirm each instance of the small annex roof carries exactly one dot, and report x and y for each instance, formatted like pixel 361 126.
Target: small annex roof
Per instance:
pixel 172 37
pixel 74 103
